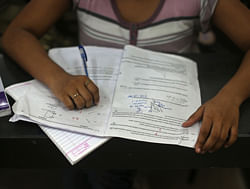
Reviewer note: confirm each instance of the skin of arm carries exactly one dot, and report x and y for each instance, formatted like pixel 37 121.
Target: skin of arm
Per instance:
pixel 21 42
pixel 220 115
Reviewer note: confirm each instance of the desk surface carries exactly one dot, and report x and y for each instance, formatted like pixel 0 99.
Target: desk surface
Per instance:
pixel 24 145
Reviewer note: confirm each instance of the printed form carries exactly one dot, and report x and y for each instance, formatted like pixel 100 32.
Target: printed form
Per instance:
pixel 155 93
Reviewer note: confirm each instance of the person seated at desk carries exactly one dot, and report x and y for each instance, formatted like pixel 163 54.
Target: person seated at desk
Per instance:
pixel 160 25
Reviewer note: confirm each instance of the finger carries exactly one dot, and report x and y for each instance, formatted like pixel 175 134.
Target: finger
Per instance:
pixel 233 136
pixel 93 89
pixel 222 139
pixel 67 102
pixel 194 117
pixel 204 132
pixel 78 101
pixel 86 95
pixel 213 136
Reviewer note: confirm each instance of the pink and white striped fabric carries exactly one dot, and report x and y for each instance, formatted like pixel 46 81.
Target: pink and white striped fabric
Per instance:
pixel 172 28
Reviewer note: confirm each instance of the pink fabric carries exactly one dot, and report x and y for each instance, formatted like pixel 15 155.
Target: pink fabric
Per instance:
pixel 178 8
pixel 102 7
pixel 190 15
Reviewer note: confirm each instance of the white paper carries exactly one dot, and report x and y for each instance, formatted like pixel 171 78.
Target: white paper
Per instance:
pixel 154 95
pixel 40 105
pixel 74 146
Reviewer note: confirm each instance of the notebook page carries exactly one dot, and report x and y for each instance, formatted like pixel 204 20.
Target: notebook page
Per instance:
pixel 73 146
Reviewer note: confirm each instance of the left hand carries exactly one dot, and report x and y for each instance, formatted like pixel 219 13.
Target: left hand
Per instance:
pixel 220 117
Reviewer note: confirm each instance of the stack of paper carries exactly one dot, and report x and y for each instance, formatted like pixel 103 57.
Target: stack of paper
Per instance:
pixel 144 96
pixel 73 145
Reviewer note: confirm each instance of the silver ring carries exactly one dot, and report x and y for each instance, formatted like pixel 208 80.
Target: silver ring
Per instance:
pixel 75 95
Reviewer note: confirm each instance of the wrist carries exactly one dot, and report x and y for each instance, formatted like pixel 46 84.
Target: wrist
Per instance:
pixel 231 95
pixel 55 76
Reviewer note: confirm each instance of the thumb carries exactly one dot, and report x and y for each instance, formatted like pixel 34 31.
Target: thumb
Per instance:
pixel 196 116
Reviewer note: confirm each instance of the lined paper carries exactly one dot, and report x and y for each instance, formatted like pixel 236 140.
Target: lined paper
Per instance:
pixel 74 146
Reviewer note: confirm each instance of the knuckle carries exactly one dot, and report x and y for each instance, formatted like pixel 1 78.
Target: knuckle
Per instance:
pixel 70 83
pixel 65 89
pixel 80 104
pixel 203 132
pixel 68 88
pixel 235 121
pixel 200 141
pixel 84 77
pixel 192 116
pixel 214 137
pixel 88 98
pixel 200 108
pixel 216 134
pixel 221 139
pixel 95 90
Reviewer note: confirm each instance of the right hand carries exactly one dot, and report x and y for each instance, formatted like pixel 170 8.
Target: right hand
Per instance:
pixel 76 92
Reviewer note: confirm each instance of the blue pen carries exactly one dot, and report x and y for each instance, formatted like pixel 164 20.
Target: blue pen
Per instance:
pixel 84 58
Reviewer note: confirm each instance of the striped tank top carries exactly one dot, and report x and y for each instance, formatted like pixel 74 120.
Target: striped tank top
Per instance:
pixel 173 27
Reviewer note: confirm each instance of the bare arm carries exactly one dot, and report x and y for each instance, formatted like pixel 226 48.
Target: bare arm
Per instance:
pixel 21 42
pixel 233 18
pixel 220 115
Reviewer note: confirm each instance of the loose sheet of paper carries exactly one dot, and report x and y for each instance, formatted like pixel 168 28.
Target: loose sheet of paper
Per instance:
pixel 155 94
